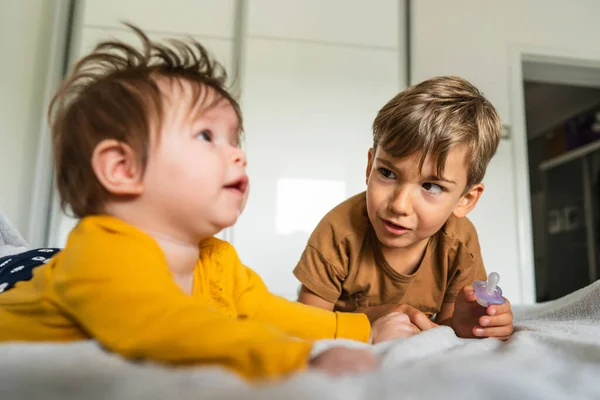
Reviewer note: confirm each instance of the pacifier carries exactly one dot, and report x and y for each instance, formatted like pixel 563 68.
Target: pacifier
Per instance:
pixel 489 292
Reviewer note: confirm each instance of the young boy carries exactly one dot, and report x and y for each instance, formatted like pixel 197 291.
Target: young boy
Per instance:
pixel 405 244
pixel 147 154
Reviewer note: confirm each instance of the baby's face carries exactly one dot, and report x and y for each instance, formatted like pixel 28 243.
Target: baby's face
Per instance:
pixel 196 172
pixel 407 206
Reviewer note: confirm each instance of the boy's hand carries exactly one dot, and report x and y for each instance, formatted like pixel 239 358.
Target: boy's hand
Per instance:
pixel 472 320
pixel 342 360
pixel 392 326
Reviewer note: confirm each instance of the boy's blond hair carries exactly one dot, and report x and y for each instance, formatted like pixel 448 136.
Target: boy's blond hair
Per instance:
pixel 438 115
pixel 113 94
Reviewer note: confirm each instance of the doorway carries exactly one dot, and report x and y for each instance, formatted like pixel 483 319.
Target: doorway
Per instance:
pixel 562 124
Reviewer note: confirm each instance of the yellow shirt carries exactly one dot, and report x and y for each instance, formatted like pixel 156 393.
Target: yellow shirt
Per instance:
pixel 112 283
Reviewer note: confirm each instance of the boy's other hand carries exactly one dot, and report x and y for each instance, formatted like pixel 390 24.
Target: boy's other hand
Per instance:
pixel 342 360
pixel 392 326
pixel 472 320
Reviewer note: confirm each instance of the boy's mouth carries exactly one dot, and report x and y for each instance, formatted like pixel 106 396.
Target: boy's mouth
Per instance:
pixel 239 185
pixel 394 228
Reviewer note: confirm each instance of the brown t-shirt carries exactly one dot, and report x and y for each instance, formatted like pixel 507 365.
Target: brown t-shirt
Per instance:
pixel 343 265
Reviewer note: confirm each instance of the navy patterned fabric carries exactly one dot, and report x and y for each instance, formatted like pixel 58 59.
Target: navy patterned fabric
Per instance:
pixel 19 267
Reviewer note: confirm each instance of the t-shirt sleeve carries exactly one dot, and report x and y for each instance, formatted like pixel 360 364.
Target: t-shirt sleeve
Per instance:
pixel 334 247
pixel 319 275
pixel 121 292
pixel 467 266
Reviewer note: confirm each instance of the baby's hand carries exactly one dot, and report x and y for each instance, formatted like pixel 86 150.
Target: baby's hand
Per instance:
pixel 417 317
pixel 343 360
pixel 392 326
pixel 472 320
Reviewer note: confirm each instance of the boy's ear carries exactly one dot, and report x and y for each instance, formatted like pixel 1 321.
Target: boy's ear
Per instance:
pixel 371 156
pixel 468 201
pixel 116 167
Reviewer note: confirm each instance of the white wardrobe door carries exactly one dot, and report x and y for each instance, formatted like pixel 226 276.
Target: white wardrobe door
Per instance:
pixel 193 17
pixel 221 49
pixel 308 112
pixel 358 22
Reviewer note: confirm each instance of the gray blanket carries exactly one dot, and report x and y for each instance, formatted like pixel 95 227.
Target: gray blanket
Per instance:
pixel 11 242
pixel 554 354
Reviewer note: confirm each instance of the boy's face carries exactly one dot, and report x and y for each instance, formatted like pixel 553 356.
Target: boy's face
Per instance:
pixel 196 173
pixel 406 206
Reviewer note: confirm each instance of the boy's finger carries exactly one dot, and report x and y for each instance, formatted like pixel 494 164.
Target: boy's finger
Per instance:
pixel 497 332
pixel 469 294
pixel 498 309
pixel 498 320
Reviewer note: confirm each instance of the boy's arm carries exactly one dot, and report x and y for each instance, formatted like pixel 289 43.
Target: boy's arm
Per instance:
pixel 310 298
pixel 297 319
pixel 312 260
pixel 321 278
pixel 121 293
pixel 418 318
pixel 459 310
pixel 444 317
pixel 469 268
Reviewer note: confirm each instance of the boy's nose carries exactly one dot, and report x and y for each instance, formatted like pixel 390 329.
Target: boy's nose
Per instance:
pixel 401 203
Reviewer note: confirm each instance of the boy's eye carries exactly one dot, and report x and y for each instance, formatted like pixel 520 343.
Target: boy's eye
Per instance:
pixel 205 135
pixel 433 188
pixel 386 173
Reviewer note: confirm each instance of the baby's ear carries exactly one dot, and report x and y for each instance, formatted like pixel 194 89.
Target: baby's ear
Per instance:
pixel 468 201
pixel 117 168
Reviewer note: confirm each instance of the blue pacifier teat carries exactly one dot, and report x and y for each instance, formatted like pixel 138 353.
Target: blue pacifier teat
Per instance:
pixel 489 292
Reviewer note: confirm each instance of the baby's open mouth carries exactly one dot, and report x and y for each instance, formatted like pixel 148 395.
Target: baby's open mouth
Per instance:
pixel 240 184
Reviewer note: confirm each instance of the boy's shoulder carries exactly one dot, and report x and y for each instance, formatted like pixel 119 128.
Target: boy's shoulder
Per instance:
pixel 461 231
pixel 346 221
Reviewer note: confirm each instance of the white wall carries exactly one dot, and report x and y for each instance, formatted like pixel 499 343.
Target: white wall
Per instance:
pixel 474 38
pixel 315 74
pixel 25 33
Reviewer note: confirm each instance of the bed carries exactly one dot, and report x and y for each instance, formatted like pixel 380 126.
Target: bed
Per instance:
pixel 554 354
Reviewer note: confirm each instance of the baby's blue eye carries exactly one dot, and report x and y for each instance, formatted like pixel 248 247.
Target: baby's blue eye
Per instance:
pixel 386 173
pixel 205 135
pixel 433 188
